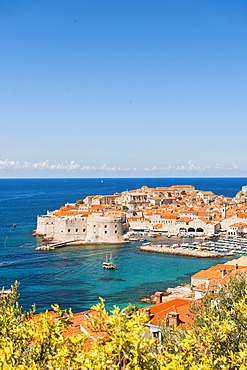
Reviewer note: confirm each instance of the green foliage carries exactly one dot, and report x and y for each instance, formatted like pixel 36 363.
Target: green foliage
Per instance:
pixel 218 341
pixel 29 342
pixel 126 342
pixel 220 332
pixel 32 342
pixel 79 201
pixel 125 208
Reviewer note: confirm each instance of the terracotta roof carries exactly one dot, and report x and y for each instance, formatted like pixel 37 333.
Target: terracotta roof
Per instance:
pixel 189 211
pixel 238 224
pixel 184 219
pixel 179 305
pixel 183 186
pixel 204 220
pixel 219 281
pixel 215 271
pixel 169 215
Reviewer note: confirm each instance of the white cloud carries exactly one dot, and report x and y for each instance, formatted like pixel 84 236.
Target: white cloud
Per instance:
pixel 180 168
pixel 73 166
pixel 9 164
pixel 193 167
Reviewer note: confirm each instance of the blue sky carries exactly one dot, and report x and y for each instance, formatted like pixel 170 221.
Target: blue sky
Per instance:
pixel 123 88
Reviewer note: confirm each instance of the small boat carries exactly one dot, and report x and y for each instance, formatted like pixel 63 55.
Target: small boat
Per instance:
pixel 108 264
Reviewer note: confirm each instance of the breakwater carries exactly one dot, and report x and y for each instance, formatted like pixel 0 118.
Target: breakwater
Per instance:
pixel 180 251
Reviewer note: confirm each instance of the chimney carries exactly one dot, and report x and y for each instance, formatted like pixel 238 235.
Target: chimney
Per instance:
pixel 148 313
pixel 158 297
pixel 173 319
pixel 223 273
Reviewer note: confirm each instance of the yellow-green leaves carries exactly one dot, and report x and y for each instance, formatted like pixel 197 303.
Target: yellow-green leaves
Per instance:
pixel 119 340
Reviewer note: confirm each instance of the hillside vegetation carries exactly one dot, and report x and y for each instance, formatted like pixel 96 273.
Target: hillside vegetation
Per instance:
pixel 218 339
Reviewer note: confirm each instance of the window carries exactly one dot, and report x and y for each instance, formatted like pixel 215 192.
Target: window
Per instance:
pixel 105 232
pixel 84 230
pixel 155 334
pixel 68 230
pixel 76 230
pixel 115 231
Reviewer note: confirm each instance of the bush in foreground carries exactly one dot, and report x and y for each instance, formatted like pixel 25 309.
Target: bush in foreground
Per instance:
pixel 218 339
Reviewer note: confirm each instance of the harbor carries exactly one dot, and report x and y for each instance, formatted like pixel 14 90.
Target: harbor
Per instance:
pixel 203 246
pixel 179 251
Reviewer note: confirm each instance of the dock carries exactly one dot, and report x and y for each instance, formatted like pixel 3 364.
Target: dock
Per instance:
pixel 180 251
pixel 48 247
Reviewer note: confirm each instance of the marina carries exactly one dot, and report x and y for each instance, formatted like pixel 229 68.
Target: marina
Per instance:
pixel 180 251
pixel 216 248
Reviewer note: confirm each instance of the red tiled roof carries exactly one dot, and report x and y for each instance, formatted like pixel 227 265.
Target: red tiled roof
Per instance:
pixel 179 305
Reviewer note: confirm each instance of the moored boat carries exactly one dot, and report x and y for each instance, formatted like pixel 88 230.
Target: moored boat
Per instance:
pixel 108 264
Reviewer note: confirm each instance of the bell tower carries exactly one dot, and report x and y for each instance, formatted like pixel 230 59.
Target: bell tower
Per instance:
pixel 223 213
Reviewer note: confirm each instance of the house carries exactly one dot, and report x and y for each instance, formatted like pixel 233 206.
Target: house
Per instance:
pixel 237 229
pixel 80 324
pixel 214 278
pixel 170 313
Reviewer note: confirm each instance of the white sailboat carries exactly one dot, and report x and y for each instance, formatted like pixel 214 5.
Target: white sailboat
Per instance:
pixel 108 264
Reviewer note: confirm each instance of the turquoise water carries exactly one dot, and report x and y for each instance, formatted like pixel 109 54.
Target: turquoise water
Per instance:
pixel 73 276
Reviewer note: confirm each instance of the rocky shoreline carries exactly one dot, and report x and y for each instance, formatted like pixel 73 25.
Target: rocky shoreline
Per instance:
pixel 180 291
pixel 180 251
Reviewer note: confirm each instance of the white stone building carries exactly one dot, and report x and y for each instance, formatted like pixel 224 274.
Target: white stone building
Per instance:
pixel 94 228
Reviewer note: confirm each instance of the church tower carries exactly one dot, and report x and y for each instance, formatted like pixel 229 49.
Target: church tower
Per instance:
pixel 223 213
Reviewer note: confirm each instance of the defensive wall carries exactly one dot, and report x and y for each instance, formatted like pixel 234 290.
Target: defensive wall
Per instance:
pixel 92 228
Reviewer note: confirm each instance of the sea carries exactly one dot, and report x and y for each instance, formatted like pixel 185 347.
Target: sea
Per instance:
pixel 73 276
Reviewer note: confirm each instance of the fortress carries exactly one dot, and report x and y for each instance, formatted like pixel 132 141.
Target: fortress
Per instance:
pixel 92 228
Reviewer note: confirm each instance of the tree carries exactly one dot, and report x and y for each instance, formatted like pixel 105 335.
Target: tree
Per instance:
pixel 79 201
pixel 219 336
pixel 32 342
pixel 218 340
pixel 126 346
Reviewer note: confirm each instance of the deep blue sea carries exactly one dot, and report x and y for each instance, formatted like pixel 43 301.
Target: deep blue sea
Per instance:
pixel 73 276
